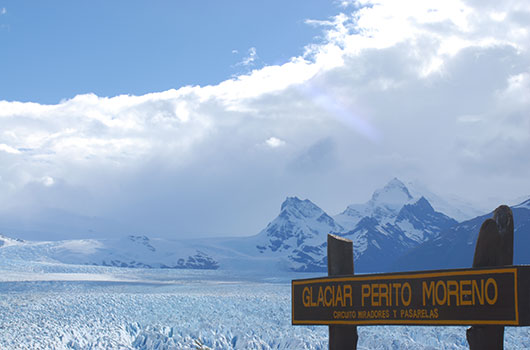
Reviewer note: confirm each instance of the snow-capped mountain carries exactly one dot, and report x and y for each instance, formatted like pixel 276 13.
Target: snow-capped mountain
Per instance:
pixel 300 222
pixel 378 242
pixel 386 232
pixel 389 225
pixel 384 205
pixel 455 246
pixel 298 235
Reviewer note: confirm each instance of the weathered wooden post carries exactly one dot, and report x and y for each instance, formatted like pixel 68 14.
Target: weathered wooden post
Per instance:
pixel 494 248
pixel 340 262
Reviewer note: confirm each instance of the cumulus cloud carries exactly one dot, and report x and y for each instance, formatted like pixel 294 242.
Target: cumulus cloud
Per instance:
pixel 416 89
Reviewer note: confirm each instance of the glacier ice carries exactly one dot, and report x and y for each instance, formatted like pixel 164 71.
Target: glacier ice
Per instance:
pixel 174 309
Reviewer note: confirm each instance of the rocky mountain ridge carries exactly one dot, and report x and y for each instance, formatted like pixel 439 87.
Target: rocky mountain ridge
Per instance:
pixel 392 231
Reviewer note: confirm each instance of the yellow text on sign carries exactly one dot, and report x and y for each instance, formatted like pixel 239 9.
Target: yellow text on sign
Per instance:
pixel 460 293
pixel 328 296
pixel 380 294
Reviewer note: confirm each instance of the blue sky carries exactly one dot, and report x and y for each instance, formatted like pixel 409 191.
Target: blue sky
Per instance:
pixel 175 121
pixel 54 50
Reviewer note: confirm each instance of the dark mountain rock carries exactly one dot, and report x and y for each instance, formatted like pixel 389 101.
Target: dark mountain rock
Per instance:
pixel 455 246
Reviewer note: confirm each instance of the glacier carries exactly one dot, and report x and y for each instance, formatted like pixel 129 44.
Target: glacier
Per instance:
pixel 61 306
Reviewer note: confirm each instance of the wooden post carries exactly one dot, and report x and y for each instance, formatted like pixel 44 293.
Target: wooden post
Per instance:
pixel 340 262
pixel 494 248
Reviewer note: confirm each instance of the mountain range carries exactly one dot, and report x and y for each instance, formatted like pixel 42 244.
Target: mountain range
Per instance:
pixel 397 229
pixel 455 247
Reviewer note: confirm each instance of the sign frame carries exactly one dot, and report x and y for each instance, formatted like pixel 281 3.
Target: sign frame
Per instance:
pixel 520 303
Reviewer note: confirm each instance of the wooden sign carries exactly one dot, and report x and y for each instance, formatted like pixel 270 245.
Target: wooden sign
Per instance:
pixel 486 296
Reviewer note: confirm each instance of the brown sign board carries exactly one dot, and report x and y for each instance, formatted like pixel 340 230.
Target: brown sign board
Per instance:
pixel 479 296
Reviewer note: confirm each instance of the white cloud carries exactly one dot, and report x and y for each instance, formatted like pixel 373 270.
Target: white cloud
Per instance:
pixel 274 142
pixel 8 149
pixel 3 11
pixel 47 181
pixel 430 90
pixel 251 57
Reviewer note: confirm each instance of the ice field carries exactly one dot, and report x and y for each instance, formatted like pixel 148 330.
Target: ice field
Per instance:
pixel 55 306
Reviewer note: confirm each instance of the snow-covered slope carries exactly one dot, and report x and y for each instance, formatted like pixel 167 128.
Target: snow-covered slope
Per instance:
pixel 8 241
pixel 451 205
pixel 130 251
pixel 298 235
pixel 234 254
pixel 383 206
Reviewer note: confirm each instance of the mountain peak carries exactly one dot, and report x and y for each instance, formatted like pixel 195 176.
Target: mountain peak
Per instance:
pixel 423 203
pixel 291 202
pixel 385 204
pixel 395 193
pixel 395 182
pixel 305 207
pixel 299 232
